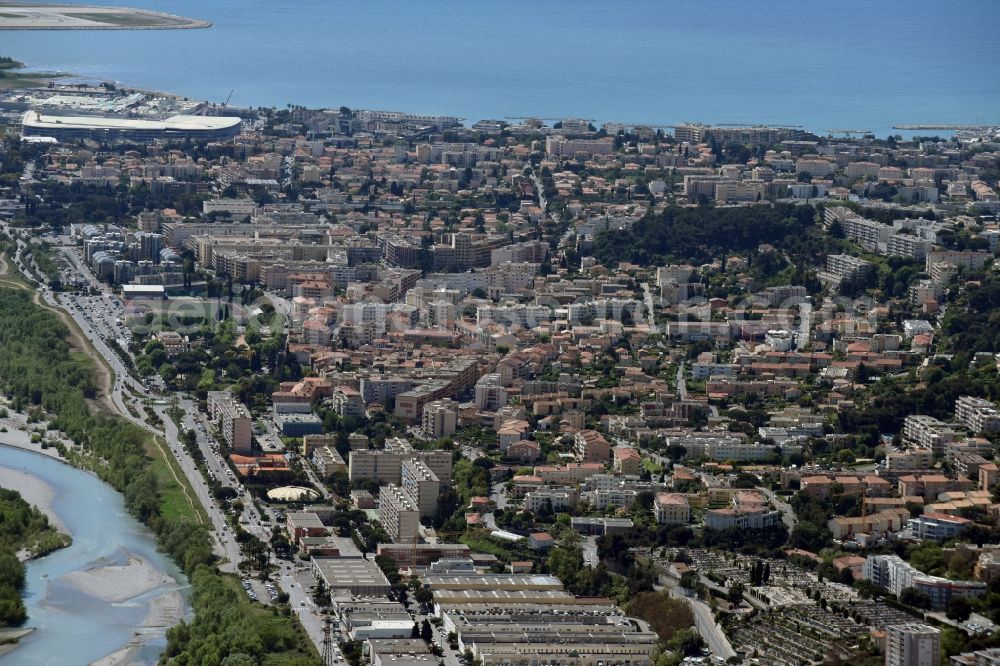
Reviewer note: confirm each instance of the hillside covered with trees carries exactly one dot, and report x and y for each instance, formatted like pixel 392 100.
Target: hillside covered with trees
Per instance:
pixel 704 233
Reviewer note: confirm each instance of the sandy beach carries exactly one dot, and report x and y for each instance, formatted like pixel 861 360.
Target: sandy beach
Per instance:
pixel 165 611
pixel 117 583
pixel 34 491
pixel 124 657
pixel 15 431
pixel 10 637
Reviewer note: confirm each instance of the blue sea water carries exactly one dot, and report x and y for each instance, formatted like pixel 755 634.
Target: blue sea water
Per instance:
pixel 845 64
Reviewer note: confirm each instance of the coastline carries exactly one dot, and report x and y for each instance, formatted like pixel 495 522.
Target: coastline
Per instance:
pixel 176 22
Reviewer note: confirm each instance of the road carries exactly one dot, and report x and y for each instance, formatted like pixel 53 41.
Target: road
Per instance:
pixel 704 622
pixel 714 637
pixel 224 544
pixel 787 512
pixel 296 581
pixel 805 325
pixel 682 390
pixel 589 547
pixel 498 494
pixel 225 539
pixel 28 175
pixel 647 295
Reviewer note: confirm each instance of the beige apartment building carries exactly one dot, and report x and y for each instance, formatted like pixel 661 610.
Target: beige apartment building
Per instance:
pixel 421 486
pixel 233 419
pixel 672 509
pixel 440 418
pixel 398 515
pixel 384 466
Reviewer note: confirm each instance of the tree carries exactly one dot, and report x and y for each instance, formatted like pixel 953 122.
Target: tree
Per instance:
pixel 426 632
pixel 320 594
pixel 423 596
pixel 280 544
pixel 911 596
pixel 735 594
pixel 958 609
pixel 688 642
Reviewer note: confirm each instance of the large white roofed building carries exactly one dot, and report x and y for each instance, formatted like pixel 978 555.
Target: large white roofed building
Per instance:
pixel 33 123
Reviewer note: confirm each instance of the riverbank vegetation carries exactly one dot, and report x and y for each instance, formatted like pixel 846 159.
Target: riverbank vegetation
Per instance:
pixel 25 528
pixel 38 370
pixel 12 612
pixel 26 531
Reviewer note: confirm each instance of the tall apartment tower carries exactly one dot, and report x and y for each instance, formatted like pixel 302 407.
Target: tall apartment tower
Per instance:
pixel 912 645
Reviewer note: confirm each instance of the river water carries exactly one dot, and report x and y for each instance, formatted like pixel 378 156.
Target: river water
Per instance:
pixel 72 626
pixel 851 64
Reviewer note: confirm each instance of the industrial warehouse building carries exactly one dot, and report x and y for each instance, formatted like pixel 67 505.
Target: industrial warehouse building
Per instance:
pixel 358 576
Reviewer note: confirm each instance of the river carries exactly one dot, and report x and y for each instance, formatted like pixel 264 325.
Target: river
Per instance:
pixel 110 592
pixel 852 64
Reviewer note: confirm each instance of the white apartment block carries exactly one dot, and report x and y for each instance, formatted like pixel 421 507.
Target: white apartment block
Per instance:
pixel 233 419
pixel 347 402
pixel 926 290
pixel 236 207
pixel 420 485
pixel 862 170
pixel 700 371
pixel 912 645
pixel 441 314
pixel 385 465
pixel 327 460
pixel 726 448
pixel 977 415
pixel 561 146
pixel 894 574
pixel 511 277
pixel 740 190
pixel 605 308
pixel 867 233
pixel 846 267
pixel 523 316
pixel 910 459
pixel 927 432
pixel 746 519
pixel 398 515
pixel 490 393
pixel 440 418
pixel 905 245
pixel 559 499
